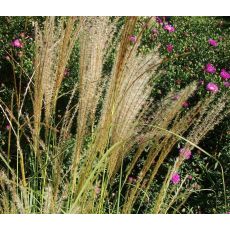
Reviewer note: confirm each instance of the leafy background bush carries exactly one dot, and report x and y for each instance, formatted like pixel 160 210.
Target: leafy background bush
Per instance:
pixel 191 40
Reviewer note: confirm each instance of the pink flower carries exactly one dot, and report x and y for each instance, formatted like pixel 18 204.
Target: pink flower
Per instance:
pixel 132 38
pixel 175 179
pixel 176 97
pixel 8 127
pixel 212 87
pixel 159 20
pixel 185 104
pixel 213 42
pixel 130 179
pixel 224 74
pixel 154 31
pixel 227 84
pixel 190 177
pixel 169 28
pixel 201 82
pixel 169 48
pixel 186 153
pixel 17 43
pixel 209 68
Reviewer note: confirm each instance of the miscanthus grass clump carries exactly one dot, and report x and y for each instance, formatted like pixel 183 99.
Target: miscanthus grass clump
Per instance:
pixel 84 160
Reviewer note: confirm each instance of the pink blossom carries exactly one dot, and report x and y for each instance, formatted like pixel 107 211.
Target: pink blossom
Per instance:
pixel 169 48
pixel 159 20
pixel 154 31
pixel 226 84
pixel 212 87
pixel 213 42
pixel 175 179
pixel 130 179
pixel 132 38
pixel 186 153
pixel 201 82
pixel 224 74
pixel 17 43
pixel 169 28
pixel 209 68
pixel 185 104
pixel 176 97
pixel 190 177
pixel 8 127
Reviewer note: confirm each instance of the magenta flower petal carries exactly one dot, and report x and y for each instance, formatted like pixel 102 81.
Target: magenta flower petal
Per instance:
pixel 175 179
pixel 212 87
pixel 169 28
pixel 169 48
pixel 185 104
pixel 224 74
pixel 159 20
pixel 154 31
pixel 209 68
pixel 201 82
pixel 213 42
pixel 17 43
pixel 130 179
pixel 226 84
pixel 190 177
pixel 132 38
pixel 176 97
pixel 186 153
